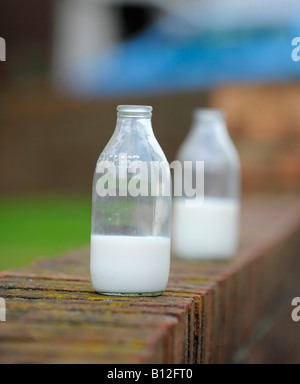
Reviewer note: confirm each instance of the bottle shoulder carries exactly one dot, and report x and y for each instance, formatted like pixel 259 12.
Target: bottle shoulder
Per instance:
pixel 211 150
pixel 146 150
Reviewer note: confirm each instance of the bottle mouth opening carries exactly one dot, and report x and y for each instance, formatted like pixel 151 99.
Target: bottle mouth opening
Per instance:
pixel 135 110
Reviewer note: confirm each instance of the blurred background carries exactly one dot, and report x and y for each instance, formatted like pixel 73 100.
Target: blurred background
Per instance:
pixel 69 63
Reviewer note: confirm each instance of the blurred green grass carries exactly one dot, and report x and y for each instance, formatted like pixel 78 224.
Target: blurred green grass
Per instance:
pixel 41 227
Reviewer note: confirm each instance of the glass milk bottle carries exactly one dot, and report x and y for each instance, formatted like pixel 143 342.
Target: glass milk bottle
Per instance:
pixel 131 210
pixel 209 229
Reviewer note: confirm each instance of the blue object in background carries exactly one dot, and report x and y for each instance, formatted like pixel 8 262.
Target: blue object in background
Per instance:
pixel 178 54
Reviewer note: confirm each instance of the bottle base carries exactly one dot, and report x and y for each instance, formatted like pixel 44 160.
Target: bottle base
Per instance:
pixel 143 294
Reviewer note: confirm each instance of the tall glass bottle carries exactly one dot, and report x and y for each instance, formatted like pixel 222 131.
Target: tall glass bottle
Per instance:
pixel 210 229
pixel 131 213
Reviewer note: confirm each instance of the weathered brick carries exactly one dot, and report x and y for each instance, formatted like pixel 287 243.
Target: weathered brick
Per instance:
pixel 211 312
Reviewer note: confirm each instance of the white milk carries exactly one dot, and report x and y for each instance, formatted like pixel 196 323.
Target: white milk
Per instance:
pixel 129 264
pixel 210 231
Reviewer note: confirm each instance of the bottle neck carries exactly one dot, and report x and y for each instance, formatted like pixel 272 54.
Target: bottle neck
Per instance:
pixel 210 123
pixel 138 125
pixel 134 119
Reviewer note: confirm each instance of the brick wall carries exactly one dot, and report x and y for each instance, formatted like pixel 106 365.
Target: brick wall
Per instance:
pixel 236 311
pixel 265 124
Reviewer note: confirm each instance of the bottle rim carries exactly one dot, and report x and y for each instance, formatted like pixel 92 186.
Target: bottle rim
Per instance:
pixel 209 113
pixel 135 110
